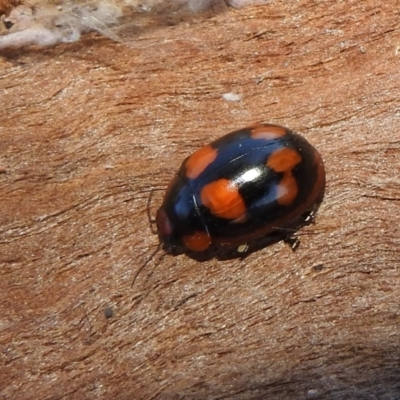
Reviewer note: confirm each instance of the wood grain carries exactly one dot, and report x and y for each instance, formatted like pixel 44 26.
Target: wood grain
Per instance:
pixel 88 130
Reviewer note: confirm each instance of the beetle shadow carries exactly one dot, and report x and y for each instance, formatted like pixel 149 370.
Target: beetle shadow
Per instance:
pixel 230 252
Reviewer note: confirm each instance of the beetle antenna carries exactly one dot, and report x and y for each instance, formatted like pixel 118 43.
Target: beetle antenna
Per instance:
pixel 141 268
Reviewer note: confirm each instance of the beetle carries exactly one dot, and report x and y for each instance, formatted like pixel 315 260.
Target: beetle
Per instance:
pixel 246 185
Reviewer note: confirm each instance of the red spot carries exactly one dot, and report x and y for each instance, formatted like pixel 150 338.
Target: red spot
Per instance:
pixel 198 241
pixel 199 161
pixel 283 161
pixel 223 199
pixel 267 132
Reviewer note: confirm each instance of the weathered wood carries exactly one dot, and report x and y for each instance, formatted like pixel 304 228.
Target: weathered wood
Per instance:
pixel 88 130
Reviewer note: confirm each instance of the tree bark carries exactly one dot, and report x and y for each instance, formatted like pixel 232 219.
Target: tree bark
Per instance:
pixel 89 130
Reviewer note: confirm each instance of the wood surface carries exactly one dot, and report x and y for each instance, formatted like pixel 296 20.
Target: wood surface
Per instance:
pixel 88 130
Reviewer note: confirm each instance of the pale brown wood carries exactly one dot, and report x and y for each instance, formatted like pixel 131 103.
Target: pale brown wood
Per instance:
pixel 88 130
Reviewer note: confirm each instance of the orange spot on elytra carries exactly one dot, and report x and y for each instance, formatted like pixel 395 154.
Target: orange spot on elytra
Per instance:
pixel 198 241
pixel 199 161
pixel 284 160
pixel 267 132
pixel 223 199
pixel 287 190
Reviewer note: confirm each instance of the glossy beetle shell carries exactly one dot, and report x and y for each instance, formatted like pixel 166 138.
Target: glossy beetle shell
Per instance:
pixel 241 187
